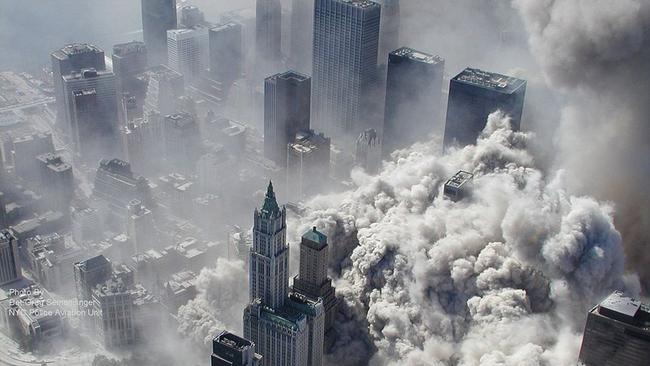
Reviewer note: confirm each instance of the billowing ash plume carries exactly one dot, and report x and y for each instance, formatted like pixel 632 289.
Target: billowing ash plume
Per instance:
pixel 222 294
pixel 503 277
pixel 597 52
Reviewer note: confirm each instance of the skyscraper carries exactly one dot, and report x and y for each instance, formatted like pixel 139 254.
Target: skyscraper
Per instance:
pixel 190 17
pixel 389 33
pixel 280 332
pixel 92 112
pixel 312 281
pixel 473 95
pixel 231 350
pixel 413 98
pixel 269 258
pixel 287 99
pixel 129 60
pixel 90 273
pixel 164 87
pixel 226 52
pixel 301 35
pixel 158 16
pixel 188 51
pixel 71 59
pixel 617 333
pixel 346 40
pixel 268 30
pixel 9 262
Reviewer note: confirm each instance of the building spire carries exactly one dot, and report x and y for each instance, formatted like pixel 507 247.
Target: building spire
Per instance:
pixel 270 203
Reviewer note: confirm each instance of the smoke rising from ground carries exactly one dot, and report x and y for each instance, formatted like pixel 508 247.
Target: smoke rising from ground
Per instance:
pixel 222 294
pixel 501 278
pixel 597 52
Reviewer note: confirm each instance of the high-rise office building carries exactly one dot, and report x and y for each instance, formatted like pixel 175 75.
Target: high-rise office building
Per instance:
pixel 190 17
pixel 10 269
pixel 117 185
pixel 473 95
pixel 182 141
pixel 315 315
pixel 308 164
pixel 158 16
pixel 268 30
pixel 88 274
pixel 188 51
pixel 164 87
pixel 280 332
pixel 301 35
pixel 389 30
pixel 129 60
pixel 226 52
pixel 142 141
pixel 56 180
pixel 346 41
pixel 413 98
pixel 92 111
pixel 231 350
pixel 617 333
pixel 26 149
pixel 368 151
pixel 312 281
pixel 112 301
pixel 269 257
pixel 140 227
pixel 287 99
pixel 72 59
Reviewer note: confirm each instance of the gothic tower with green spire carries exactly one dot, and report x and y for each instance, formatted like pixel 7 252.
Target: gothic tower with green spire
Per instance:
pixel 269 257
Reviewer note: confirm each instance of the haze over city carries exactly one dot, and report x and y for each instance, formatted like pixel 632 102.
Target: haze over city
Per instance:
pixel 324 182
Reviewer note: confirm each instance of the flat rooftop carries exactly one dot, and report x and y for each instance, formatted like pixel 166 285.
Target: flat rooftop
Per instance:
pixel 363 4
pixel 232 341
pixel 122 49
pixel 489 80
pixel 459 179
pixel 417 56
pixel 626 309
pixel 290 75
pixel 76 48
pixel 225 26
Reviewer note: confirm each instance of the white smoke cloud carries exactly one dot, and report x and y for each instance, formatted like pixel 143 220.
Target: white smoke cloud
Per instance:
pixel 222 295
pixel 504 277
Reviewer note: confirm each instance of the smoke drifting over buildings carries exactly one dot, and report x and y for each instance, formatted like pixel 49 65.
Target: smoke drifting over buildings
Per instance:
pixel 490 246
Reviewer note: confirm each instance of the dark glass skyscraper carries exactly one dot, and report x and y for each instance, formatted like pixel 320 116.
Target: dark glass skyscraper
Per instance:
pixel 389 33
pixel 129 59
pixel 226 52
pixel 158 16
pixel 346 41
pixel 287 99
pixel 268 30
pixel 301 35
pixel 473 95
pixel 413 98
pixel 231 350
pixel 70 59
pixel 617 333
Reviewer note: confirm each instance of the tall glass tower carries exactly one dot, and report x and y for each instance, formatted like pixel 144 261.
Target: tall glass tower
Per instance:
pixel 158 16
pixel 346 41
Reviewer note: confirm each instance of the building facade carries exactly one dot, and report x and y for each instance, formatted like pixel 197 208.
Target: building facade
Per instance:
pixel 268 30
pixel 188 52
pixel 10 268
pixel 231 350
pixel 390 28
pixel 68 60
pixel 475 94
pixel 617 333
pixel 226 57
pixel 312 280
pixel 345 47
pixel 92 111
pixel 158 16
pixel 413 107
pixel 287 108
